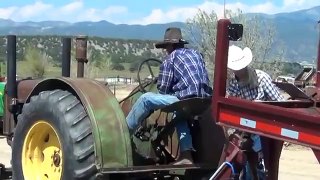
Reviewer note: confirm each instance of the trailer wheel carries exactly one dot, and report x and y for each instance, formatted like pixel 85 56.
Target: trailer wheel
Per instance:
pixel 53 139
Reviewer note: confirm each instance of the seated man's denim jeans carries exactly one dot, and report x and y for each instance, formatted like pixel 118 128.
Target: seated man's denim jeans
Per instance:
pixel 153 101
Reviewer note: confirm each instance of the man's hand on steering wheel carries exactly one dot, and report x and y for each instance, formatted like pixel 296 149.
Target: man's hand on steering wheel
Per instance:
pixel 154 79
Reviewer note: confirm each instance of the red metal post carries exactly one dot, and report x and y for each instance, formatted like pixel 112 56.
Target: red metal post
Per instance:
pixel 221 60
pixel 317 154
pixel 232 152
pixel 318 61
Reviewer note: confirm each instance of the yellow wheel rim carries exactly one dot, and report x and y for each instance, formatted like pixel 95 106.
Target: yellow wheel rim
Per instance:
pixel 41 153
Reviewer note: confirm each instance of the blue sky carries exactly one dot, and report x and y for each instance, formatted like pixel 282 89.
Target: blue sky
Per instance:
pixel 136 11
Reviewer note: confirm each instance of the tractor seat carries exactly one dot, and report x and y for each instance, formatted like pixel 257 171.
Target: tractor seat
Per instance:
pixel 191 106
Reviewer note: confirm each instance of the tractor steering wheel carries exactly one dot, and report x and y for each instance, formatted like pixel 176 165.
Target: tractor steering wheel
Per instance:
pixel 153 78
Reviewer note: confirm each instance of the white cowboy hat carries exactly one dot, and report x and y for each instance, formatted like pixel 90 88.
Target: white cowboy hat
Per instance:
pixel 238 58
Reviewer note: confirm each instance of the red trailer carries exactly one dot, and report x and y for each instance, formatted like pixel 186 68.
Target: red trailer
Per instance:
pixel 296 120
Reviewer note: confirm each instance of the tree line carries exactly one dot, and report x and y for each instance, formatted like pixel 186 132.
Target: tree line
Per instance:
pixel 101 51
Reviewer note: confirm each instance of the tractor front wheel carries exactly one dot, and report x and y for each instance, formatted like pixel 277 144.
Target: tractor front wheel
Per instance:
pixel 53 139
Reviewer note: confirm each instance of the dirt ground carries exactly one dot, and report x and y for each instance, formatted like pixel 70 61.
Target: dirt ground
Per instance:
pixel 296 162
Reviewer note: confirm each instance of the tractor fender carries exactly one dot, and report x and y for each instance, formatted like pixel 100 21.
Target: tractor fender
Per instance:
pixel 109 128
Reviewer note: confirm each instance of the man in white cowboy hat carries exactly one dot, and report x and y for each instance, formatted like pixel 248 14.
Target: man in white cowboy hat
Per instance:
pixel 182 75
pixel 251 84
pixel 248 83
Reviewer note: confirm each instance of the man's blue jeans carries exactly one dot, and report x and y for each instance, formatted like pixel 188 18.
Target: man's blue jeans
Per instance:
pixel 154 101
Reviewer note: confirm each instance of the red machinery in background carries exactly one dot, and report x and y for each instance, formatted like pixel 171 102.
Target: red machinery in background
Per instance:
pixel 296 120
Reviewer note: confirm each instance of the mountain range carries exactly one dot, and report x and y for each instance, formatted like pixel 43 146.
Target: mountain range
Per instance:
pixel 297 30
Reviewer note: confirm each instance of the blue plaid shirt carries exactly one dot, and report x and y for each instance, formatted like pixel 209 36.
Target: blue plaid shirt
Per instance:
pixel 266 91
pixel 183 74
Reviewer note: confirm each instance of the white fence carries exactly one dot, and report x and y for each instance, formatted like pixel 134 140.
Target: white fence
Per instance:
pixel 116 80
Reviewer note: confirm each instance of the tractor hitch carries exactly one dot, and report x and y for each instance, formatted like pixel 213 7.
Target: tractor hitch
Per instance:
pixel 234 157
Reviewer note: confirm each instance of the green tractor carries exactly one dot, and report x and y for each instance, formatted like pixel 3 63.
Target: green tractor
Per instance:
pixel 2 86
pixel 74 128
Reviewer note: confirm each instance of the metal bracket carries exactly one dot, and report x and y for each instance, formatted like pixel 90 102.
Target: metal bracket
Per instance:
pixel 5 173
pixel 142 134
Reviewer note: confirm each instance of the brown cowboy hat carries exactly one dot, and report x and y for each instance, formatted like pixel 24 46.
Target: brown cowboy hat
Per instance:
pixel 171 36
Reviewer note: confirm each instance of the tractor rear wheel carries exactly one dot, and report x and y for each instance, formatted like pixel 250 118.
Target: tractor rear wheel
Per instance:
pixel 53 139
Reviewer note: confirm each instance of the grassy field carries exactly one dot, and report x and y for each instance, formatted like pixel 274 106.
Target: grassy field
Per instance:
pixel 24 70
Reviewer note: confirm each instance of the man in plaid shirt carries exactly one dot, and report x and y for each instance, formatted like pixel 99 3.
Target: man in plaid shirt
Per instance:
pixel 250 84
pixel 261 88
pixel 182 75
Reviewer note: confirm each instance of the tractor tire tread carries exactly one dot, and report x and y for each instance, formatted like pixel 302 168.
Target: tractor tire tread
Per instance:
pixel 77 126
pixel 85 153
pixel 83 135
pixel 81 173
pixel 79 118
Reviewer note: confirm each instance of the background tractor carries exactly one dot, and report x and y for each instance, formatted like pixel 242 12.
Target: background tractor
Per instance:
pixel 74 128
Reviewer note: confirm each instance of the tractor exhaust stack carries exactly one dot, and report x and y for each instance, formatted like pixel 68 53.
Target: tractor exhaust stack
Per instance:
pixel 12 71
pixel 81 54
pixel 66 50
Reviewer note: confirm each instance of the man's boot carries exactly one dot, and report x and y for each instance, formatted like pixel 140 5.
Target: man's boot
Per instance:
pixel 184 159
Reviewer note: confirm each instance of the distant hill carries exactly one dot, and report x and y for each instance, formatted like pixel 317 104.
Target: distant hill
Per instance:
pixel 100 29
pixel 297 30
